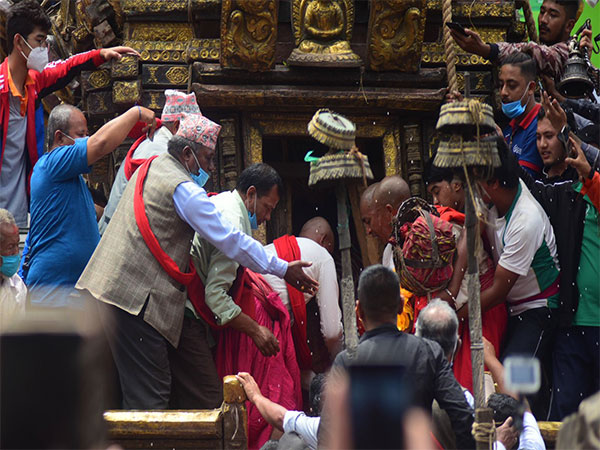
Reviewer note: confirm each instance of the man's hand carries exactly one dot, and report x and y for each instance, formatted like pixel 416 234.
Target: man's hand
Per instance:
pixel 148 117
pixel 249 385
pixel 586 41
pixel 266 342
pixel 296 277
pixel 471 43
pixel 506 434
pixel 555 114
pixel 454 96
pixel 117 53
pixel 580 163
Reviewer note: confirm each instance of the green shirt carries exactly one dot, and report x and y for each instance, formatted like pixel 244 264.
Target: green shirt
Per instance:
pixel 216 270
pixel 588 275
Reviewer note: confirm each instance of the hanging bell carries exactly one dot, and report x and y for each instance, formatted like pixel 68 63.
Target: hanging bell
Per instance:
pixel 575 82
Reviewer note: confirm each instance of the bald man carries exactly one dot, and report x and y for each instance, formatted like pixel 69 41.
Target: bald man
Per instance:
pixel 378 207
pixel 316 241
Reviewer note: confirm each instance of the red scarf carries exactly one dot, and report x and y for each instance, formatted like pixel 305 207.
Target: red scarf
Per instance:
pixel 130 165
pixel 143 224
pixel 287 249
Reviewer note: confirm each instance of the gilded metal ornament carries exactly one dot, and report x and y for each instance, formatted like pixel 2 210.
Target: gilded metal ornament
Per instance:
pixel 159 51
pixel 159 31
pixel 126 67
pixel 203 50
pixel 396 29
pixel 478 9
pixel 322 31
pixel 177 75
pixel 248 34
pixel 127 92
pixel 97 79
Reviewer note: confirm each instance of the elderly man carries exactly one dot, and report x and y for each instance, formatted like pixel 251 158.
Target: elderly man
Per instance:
pixel 64 230
pixel 177 104
pixel 315 243
pixel 427 371
pixel 137 270
pixel 379 209
pixel 12 289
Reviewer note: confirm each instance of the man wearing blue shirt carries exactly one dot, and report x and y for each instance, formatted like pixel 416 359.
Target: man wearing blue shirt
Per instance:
pixel 64 232
pixel 517 85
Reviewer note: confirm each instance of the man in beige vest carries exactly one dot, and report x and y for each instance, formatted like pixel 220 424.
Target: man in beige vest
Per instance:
pixel 138 278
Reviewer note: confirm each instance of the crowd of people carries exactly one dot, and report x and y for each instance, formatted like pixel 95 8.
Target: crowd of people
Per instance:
pixel 186 296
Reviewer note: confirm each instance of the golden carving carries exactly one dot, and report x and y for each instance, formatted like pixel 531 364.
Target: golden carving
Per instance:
pixel 158 51
pixel 433 52
pixel 160 31
pixel 412 145
pixel 126 67
pixel 249 34
pixel 203 50
pixel 322 32
pixel 178 75
pixel 504 9
pixel 396 30
pixel 127 92
pixel 154 100
pixel 152 72
pixel 99 79
pixel 391 151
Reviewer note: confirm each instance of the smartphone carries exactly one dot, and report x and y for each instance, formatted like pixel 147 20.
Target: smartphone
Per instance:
pixel 457 27
pixel 379 398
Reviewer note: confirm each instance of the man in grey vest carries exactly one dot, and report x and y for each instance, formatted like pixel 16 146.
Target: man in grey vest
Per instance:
pixel 136 270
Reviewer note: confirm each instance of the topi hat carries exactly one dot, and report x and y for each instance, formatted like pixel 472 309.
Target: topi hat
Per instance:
pixel 197 128
pixel 177 104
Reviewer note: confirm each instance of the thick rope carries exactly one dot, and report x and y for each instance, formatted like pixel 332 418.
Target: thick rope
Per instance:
pixel 449 49
pixel 531 30
pixel 484 432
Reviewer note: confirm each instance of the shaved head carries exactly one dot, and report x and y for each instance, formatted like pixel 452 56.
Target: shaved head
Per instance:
pixel 319 230
pixel 392 190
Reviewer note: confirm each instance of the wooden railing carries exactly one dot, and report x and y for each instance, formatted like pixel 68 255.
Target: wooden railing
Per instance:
pixel 223 428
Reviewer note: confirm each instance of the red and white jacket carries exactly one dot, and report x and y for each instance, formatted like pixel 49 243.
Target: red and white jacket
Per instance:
pixel 56 75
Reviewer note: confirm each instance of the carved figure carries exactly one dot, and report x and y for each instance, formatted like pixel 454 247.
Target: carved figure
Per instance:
pixel 395 34
pixel 323 29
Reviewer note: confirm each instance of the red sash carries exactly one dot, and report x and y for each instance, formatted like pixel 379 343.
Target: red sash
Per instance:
pixel 130 165
pixel 287 248
pixel 143 224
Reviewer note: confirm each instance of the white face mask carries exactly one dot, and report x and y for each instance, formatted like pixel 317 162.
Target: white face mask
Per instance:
pixel 38 57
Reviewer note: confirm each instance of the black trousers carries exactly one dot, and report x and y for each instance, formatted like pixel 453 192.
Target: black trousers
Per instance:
pixel 576 368
pixel 155 375
pixel 532 333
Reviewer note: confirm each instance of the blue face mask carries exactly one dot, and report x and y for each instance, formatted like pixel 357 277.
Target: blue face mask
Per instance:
pixel 514 109
pixel 252 217
pixel 10 265
pixel 202 176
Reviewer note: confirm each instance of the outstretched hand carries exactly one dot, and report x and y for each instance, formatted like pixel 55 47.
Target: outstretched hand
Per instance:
pixel 555 114
pixel 471 43
pixel 249 384
pixel 577 159
pixel 117 52
pixel 296 277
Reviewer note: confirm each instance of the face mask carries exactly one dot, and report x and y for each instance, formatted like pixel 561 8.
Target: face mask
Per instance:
pixel 514 109
pixel 10 265
pixel 202 176
pixel 252 217
pixel 38 58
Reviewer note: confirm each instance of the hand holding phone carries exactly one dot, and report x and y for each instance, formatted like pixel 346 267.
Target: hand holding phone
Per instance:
pixel 457 27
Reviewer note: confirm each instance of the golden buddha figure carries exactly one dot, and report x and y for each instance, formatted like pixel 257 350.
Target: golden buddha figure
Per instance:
pixel 322 29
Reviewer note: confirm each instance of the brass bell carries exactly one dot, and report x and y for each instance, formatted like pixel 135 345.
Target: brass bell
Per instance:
pixel 575 82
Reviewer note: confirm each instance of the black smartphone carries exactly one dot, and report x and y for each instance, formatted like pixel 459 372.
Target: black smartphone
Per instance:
pixel 379 398
pixel 457 27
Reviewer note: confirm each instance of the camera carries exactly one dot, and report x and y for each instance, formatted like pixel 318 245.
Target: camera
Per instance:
pixel 522 374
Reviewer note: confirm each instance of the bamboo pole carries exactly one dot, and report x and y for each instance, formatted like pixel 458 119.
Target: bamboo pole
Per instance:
pixel 348 304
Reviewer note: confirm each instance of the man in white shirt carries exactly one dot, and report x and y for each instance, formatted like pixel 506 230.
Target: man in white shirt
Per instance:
pixel 12 289
pixel 176 105
pixel 315 243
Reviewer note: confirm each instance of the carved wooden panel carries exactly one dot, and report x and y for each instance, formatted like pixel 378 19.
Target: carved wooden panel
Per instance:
pixel 165 75
pixel 100 103
pixel 159 51
pixel 396 30
pixel 127 92
pixel 98 79
pixel 153 99
pixel 125 68
pixel 249 34
pixel 414 158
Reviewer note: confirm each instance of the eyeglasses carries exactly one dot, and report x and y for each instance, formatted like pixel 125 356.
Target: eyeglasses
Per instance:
pixel 43 44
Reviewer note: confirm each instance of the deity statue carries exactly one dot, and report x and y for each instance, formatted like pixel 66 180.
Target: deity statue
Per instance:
pixel 322 29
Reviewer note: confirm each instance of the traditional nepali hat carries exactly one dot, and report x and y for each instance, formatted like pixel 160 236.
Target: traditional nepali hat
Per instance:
pixel 177 104
pixel 197 128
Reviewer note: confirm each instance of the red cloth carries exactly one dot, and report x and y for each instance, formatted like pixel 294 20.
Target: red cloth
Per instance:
pixel 143 224
pixel 130 165
pixel 278 377
pixel 55 75
pixel 287 249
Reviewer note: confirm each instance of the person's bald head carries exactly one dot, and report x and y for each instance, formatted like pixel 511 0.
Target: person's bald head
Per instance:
pixel 368 209
pixel 319 230
pixel 388 196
